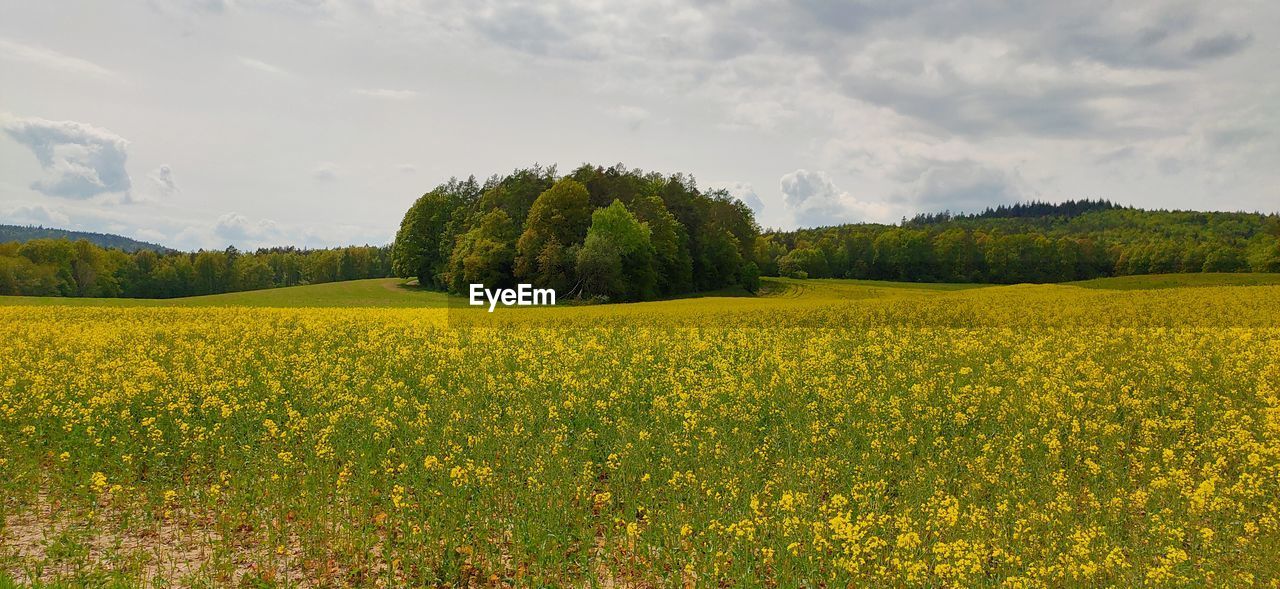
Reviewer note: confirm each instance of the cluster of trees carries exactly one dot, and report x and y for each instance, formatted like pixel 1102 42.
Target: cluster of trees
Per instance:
pixel 601 233
pixel 60 267
pixel 1033 242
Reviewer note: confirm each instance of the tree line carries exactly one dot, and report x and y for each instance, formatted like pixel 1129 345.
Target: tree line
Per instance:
pixel 597 233
pixel 60 267
pixel 1032 242
pixel 619 234
pixel 23 233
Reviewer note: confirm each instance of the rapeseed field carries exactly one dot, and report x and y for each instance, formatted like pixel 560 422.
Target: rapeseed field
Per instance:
pixel 1027 436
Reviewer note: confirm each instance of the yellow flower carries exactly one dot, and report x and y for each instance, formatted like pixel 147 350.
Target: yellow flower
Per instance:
pixel 98 482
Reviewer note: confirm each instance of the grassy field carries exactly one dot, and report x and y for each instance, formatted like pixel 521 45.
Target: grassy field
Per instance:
pixel 397 293
pixel 830 433
pixel 375 292
pixel 1154 281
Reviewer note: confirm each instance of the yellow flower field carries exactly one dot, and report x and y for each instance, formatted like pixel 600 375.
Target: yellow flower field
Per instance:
pixel 1028 436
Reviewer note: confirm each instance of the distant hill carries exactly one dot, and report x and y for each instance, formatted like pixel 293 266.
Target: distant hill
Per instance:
pixel 21 233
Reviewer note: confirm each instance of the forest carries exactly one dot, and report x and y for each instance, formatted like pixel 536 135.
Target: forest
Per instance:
pixel 1030 242
pixel 619 234
pixel 60 267
pixel 598 233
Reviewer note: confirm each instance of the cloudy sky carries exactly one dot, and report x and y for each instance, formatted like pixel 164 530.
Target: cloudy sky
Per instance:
pixel 203 123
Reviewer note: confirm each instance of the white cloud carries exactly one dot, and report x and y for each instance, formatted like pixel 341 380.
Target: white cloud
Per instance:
pixel 80 160
pixel 325 172
pixel 961 186
pixel 36 215
pixel 633 116
pixel 743 192
pixel 262 66
pixel 237 228
pixel 47 58
pixel 815 201
pixel 193 237
pixel 150 235
pixel 385 94
pixel 185 7
pixel 162 182
pixel 407 168
pixel 764 115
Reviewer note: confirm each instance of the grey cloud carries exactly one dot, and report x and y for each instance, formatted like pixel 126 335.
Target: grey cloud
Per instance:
pixel 325 172
pixel 633 116
pixel 1156 47
pixel 1218 46
pixel 952 104
pixel 727 43
pixel 1135 35
pixel 983 68
pixel 763 115
pixel 1170 166
pixel 162 181
pixel 36 215
pixel 959 186
pixel 1122 154
pixel 541 29
pixel 643 34
pixel 215 6
pixel 1234 137
pixel 857 15
pixel 813 198
pixel 815 201
pixel 802 187
pixel 1159 35
pixel 198 6
pixel 385 93
pixel 1095 37
pixel 81 161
